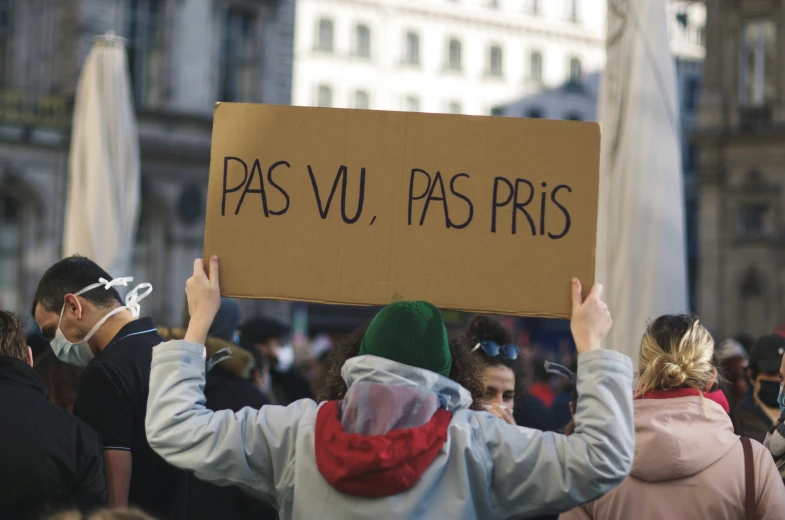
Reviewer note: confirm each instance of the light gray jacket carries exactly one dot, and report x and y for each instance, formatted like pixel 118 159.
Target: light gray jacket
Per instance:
pixel 485 468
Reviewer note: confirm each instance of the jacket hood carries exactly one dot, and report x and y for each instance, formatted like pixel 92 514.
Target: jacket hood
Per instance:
pixel 380 439
pixel 678 434
pixel 240 364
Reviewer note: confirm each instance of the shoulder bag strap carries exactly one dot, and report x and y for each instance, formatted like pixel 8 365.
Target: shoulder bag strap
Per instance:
pixel 749 480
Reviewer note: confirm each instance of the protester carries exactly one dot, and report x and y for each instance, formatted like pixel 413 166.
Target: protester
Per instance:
pixel 733 361
pixel 405 444
pixel 758 409
pixel 48 458
pixel 489 340
pixel 569 394
pixel 775 438
pixel 79 310
pixel 62 379
pixel 541 387
pixel 688 462
pixel 227 387
pixel 284 385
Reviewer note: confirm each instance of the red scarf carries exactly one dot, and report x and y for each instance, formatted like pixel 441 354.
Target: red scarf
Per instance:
pixel 717 396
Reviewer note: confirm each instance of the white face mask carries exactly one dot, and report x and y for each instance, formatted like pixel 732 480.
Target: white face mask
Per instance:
pixel 79 353
pixel 285 358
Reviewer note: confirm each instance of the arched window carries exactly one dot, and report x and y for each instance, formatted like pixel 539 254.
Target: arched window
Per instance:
pixel 362 41
pixel 324 35
pixel 495 61
pixel 324 96
pixel 412 56
pixel 454 55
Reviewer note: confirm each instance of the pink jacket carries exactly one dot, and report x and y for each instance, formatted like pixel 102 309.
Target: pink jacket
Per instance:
pixel 688 465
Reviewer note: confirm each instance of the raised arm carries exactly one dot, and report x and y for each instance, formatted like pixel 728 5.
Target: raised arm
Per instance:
pixel 545 473
pixel 252 449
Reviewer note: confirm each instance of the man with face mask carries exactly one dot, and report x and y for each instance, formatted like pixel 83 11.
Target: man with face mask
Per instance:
pixel 759 409
pixel 284 384
pixel 79 310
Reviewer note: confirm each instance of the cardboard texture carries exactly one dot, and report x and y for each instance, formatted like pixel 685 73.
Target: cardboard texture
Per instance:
pixel 482 214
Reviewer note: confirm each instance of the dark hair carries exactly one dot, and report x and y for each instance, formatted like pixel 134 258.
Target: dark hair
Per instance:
pixel 12 337
pixel 487 328
pixel 71 275
pixel 466 368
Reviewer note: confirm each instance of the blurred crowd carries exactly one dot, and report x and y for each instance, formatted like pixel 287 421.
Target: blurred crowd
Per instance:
pixel 81 434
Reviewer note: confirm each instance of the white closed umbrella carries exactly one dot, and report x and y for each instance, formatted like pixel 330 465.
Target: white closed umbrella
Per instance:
pixel 640 236
pixel 103 169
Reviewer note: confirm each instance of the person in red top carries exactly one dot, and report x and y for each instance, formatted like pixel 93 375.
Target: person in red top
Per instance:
pixel 541 388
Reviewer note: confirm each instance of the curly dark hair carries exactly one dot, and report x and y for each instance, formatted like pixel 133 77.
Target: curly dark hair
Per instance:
pixel 487 328
pixel 466 368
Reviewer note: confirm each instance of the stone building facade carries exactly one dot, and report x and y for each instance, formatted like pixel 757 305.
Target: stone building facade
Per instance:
pixel 184 55
pixel 741 158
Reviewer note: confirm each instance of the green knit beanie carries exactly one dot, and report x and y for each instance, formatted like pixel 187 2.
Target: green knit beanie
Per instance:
pixel 412 333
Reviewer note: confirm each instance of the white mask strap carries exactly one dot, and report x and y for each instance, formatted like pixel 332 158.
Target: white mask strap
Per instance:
pixel 107 284
pixel 133 298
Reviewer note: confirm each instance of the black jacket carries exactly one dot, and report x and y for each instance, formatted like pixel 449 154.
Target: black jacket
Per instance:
pixel 227 388
pixel 49 459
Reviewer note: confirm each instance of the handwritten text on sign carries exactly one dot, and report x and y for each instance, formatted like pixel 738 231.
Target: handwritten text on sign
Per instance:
pixel 518 195
pixel 365 207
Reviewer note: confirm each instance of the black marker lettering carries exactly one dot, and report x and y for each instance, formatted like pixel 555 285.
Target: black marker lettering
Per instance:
pixel 520 206
pixel 443 198
pixel 323 211
pixel 226 176
pixel 564 210
pixel 465 198
pixel 412 198
pixel 360 200
pixel 496 203
pixel 256 167
pixel 277 187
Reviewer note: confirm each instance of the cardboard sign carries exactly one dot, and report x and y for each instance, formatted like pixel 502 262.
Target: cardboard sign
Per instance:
pixel 482 214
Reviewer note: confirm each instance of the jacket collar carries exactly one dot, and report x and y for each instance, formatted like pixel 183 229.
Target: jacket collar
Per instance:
pixel 374 369
pixel 15 372
pixel 134 328
pixel 716 396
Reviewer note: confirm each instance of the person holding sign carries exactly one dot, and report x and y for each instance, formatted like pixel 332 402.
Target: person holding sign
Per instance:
pixel 402 442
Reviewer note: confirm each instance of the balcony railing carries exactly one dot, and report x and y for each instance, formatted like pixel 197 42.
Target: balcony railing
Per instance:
pixel 18 108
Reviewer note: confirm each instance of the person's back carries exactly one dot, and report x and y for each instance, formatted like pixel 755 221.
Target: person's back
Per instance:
pixel 48 458
pixel 688 461
pixel 400 442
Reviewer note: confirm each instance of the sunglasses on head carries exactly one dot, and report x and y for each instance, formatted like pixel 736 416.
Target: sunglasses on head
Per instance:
pixel 493 349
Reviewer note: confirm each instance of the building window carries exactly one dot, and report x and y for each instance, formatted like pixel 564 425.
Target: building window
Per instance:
pixel 5 43
pixel 534 113
pixel 362 99
pixel 412 48
pixel 572 10
pixel 535 66
pixel 454 55
pixel 576 73
pixel 493 4
pixel 454 107
pixel 533 7
pixel 691 89
pixel 362 41
pixel 10 252
pixel 324 96
pixel 497 111
pixel 411 104
pixel 752 219
pixel 495 61
pixel 146 50
pixel 757 67
pixel 239 57
pixel 324 37
pixel 573 116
